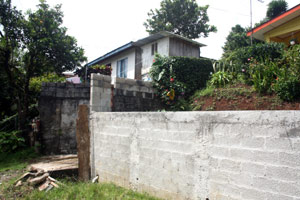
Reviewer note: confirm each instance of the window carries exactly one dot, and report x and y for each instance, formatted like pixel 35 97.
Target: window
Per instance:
pixel 122 68
pixel 153 48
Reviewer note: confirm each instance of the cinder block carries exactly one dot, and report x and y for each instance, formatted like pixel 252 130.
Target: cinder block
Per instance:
pixel 289 188
pixel 289 159
pixel 266 157
pixel 265 184
pixel 250 142
pixel 219 176
pixel 230 165
pixel 253 169
pixel 242 154
pixel 279 144
pixel 252 194
pixel 218 152
pixel 283 173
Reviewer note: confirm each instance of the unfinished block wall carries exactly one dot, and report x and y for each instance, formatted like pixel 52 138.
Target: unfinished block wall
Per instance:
pixel 58 105
pixel 246 155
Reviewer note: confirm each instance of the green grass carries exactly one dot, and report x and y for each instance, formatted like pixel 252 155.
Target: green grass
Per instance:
pixel 17 160
pixel 88 191
pixel 13 165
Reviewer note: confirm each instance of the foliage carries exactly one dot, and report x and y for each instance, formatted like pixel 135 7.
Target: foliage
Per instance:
pixel 236 39
pixel 287 85
pixel 287 89
pixel 90 191
pixel 220 78
pixel 31 46
pixel 275 8
pixel 263 75
pixel 16 160
pixel 10 141
pixel 101 69
pixel 242 57
pixel 182 17
pixel 35 84
pixel 177 78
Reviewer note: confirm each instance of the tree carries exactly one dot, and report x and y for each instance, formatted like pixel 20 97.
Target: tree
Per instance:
pixel 275 8
pixel 237 38
pixel 33 46
pixel 182 17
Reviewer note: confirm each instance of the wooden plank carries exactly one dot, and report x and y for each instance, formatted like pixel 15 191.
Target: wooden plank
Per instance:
pixel 83 143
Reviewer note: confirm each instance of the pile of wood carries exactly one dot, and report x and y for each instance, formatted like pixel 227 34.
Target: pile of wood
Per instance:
pixel 38 178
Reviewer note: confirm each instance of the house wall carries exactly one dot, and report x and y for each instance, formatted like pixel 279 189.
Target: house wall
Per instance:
pixel 241 155
pixel 147 58
pixel 289 27
pixel 130 54
pixel 182 48
pixel 58 106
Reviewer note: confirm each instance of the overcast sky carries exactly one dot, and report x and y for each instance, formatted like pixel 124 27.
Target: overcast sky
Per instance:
pixel 103 25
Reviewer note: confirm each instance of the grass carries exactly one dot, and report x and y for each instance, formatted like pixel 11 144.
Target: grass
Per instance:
pixel 12 167
pixel 17 160
pixel 88 191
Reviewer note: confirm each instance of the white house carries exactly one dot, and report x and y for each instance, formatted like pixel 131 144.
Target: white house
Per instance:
pixel 133 60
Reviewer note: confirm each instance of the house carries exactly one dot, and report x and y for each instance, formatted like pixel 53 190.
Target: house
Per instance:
pixel 284 28
pixel 134 59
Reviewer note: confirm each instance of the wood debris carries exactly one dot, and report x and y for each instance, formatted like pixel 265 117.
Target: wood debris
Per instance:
pixel 39 179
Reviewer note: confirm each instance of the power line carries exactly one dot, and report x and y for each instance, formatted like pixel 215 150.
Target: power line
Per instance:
pixel 228 11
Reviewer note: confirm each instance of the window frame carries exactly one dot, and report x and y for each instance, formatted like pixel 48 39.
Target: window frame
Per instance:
pixel 154 48
pixel 122 68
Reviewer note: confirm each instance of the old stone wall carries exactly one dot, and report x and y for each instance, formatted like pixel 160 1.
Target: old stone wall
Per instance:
pixel 58 105
pixel 197 155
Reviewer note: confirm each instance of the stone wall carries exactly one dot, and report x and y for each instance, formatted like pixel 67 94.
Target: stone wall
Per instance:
pixel 197 155
pixel 58 105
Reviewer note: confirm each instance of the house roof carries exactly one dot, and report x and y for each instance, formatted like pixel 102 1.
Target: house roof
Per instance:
pixel 259 31
pixel 142 42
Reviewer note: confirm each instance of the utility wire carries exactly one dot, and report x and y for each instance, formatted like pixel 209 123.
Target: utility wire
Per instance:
pixel 227 11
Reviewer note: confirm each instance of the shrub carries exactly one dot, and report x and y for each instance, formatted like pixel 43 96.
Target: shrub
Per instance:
pixel 35 83
pixel 263 74
pixel 11 141
pixel 242 57
pixel 220 78
pixel 101 69
pixel 178 78
pixel 287 89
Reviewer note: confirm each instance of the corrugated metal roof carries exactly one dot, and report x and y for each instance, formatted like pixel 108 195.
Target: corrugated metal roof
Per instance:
pixel 113 52
pixel 142 42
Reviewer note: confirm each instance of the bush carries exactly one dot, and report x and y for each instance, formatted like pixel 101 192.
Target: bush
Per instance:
pixel 220 79
pixel 241 57
pixel 35 83
pixel 178 78
pixel 11 141
pixel 287 90
pixel 263 74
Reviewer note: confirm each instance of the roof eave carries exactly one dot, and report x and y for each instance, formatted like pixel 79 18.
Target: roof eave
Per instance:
pixel 272 21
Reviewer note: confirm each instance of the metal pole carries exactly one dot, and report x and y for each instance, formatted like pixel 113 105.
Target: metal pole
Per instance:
pixel 251 22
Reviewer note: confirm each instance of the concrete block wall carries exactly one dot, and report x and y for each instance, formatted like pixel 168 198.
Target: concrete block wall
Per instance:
pixel 247 155
pixel 101 93
pixel 133 95
pixel 58 106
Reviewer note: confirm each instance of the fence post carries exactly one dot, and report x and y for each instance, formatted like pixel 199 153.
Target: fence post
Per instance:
pixel 83 143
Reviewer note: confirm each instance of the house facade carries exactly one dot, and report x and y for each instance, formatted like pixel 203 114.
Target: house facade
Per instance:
pixel 134 59
pixel 284 28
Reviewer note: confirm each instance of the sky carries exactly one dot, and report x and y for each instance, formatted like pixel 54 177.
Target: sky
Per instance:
pixel 101 26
